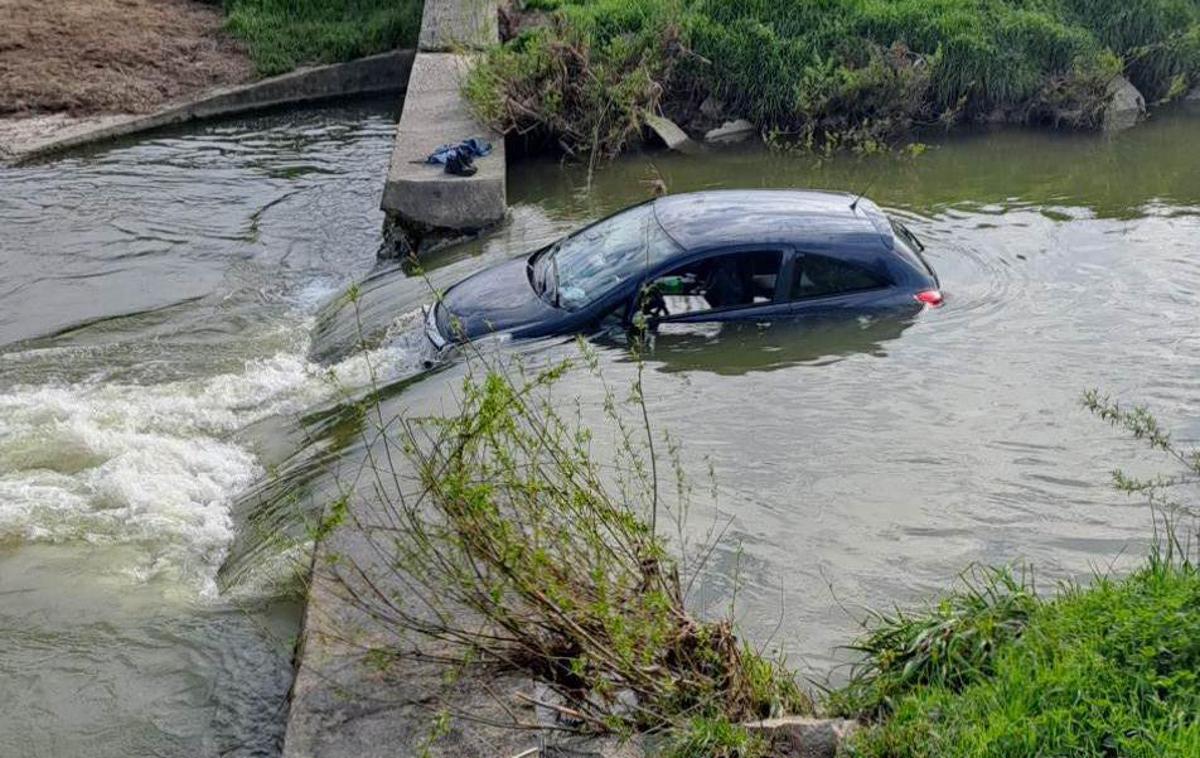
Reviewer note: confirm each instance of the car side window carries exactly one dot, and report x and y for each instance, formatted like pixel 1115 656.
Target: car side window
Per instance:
pixel 719 282
pixel 821 276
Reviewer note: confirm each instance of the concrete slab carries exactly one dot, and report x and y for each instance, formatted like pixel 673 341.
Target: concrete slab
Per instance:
pixel 455 25
pixel 425 197
pixel 671 135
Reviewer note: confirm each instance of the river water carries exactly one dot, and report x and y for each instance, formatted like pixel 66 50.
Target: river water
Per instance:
pixel 170 375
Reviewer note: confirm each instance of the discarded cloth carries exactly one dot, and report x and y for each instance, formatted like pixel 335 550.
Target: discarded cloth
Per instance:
pixel 472 148
pixel 459 159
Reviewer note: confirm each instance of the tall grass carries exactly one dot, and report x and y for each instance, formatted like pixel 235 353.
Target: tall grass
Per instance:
pixel 1111 669
pixel 820 66
pixel 284 34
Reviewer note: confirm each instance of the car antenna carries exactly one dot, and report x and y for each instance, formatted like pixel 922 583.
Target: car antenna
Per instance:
pixel 861 195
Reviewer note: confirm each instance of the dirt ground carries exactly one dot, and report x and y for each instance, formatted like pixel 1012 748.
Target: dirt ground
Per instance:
pixel 85 57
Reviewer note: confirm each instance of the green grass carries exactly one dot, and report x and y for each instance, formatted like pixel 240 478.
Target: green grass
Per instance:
pixel 1110 670
pixel 949 645
pixel 284 34
pixel 844 67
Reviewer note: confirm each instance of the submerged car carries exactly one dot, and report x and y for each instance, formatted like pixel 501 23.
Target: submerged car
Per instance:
pixel 731 255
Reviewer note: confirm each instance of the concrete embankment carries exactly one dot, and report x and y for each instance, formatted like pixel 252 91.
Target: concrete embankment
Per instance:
pixel 26 138
pixel 424 204
pixel 341 704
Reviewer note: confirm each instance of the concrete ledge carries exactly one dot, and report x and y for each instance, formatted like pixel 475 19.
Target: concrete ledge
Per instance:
pixel 23 139
pixel 423 197
pixel 451 25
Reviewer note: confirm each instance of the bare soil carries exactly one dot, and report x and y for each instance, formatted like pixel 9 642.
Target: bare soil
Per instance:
pixel 86 57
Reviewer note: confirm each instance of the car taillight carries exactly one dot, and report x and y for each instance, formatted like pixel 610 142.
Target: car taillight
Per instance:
pixel 932 298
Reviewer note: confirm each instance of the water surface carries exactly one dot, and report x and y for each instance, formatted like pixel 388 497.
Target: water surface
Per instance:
pixel 155 306
pixel 171 370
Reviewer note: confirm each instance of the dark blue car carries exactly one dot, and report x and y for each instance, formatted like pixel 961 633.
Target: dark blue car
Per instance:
pixel 744 255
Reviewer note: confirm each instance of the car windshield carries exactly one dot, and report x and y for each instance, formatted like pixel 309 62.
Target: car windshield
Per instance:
pixel 581 268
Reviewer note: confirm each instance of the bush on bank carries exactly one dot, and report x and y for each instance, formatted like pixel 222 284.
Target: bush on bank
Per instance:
pixel 284 34
pixel 582 72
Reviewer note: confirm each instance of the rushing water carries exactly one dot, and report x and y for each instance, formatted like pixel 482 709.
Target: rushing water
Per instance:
pixel 155 307
pixel 169 391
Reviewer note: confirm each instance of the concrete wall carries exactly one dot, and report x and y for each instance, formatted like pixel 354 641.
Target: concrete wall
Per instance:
pixel 377 74
pixel 423 203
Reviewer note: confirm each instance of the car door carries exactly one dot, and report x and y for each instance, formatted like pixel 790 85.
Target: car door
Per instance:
pixel 729 284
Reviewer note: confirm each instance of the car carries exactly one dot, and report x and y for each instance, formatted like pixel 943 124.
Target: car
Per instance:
pixel 714 256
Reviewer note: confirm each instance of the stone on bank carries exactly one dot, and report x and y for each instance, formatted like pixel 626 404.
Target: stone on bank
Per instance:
pixel 1126 106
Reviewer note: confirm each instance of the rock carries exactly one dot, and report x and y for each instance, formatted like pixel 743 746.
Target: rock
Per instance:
pixel 804 736
pixel 670 133
pixel 1126 106
pixel 731 131
pixel 712 108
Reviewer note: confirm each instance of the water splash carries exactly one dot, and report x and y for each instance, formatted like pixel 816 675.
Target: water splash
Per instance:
pixel 159 466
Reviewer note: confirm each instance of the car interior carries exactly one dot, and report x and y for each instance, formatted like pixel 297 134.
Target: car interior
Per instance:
pixel 723 281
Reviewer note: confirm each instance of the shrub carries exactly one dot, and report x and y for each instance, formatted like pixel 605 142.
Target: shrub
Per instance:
pixel 507 543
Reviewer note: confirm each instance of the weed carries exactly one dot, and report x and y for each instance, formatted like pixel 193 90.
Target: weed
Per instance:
pixel 948 645
pixel 284 34
pixel 508 544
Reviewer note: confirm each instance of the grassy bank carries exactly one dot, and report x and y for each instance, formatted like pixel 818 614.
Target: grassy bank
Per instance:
pixel 1110 670
pixel 284 34
pixel 582 72
pixel 994 670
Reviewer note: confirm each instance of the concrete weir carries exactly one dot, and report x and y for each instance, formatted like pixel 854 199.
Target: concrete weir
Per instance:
pixel 341 705
pixel 425 205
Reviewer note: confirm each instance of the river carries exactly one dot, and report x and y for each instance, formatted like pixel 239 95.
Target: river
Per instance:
pixel 167 347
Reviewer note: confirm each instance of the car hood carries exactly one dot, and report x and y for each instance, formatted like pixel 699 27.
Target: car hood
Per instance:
pixel 497 299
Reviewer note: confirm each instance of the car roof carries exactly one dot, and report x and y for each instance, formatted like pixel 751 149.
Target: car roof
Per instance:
pixel 813 220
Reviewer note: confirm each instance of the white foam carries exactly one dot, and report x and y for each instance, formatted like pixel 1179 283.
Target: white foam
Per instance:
pixel 155 466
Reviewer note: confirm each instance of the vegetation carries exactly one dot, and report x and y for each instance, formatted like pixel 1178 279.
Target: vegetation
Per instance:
pixel 855 71
pixel 284 34
pixel 508 543
pixel 949 645
pixel 1113 669
pixel 1108 670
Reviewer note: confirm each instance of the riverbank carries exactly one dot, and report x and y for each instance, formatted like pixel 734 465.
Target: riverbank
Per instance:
pixel 281 35
pixel 583 76
pixel 92 57
pixel 1110 669
pixel 89 57
pixel 994 668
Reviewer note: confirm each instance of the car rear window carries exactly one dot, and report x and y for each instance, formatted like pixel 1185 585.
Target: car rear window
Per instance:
pixel 821 276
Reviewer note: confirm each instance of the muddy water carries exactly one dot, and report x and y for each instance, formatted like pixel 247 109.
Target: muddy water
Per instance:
pixel 863 464
pixel 155 306
pixel 166 396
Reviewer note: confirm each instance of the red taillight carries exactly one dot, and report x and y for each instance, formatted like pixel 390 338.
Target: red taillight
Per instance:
pixel 932 298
